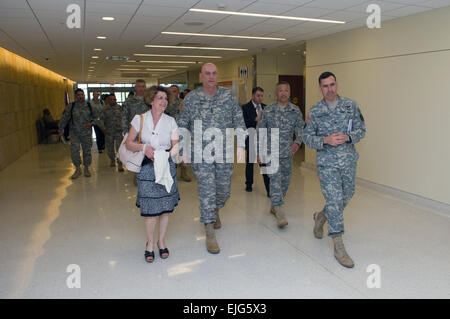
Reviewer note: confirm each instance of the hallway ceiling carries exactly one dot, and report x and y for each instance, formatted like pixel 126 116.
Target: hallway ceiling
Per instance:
pixel 37 30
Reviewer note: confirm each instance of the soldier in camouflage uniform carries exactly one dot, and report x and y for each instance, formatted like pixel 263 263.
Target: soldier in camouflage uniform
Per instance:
pixel 335 124
pixel 80 118
pixel 97 106
pixel 288 119
pixel 173 109
pixel 215 107
pixel 111 123
pixel 134 105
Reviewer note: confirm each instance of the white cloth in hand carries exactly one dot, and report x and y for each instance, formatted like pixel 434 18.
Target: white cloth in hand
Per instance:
pixel 162 169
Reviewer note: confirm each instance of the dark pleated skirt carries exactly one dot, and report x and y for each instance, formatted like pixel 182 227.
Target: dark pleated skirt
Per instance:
pixel 152 198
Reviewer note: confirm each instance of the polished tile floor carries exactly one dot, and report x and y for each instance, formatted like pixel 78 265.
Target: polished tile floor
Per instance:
pixel 49 222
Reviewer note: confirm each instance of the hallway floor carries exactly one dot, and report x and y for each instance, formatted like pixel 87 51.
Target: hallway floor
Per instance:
pixel 49 222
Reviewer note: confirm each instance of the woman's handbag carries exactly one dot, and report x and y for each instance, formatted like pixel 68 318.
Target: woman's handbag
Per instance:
pixel 131 160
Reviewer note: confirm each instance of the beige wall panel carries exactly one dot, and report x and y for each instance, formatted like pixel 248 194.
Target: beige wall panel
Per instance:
pixel 401 95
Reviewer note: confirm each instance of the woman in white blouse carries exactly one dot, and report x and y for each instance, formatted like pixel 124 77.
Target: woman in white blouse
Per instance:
pixel 159 132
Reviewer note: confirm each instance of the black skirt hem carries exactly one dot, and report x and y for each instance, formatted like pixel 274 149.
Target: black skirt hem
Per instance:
pixel 158 214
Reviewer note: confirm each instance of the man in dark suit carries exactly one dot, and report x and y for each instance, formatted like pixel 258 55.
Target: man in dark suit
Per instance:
pixel 252 113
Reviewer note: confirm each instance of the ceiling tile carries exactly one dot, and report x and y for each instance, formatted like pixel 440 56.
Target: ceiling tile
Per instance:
pixel 230 5
pixel 384 6
pixel 405 11
pixel 333 4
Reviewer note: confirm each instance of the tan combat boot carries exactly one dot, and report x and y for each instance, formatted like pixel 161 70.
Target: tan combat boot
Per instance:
pixel 218 223
pixel 86 171
pixel 77 173
pixel 341 255
pixel 272 210
pixel 184 175
pixel 279 214
pixel 320 220
pixel 211 243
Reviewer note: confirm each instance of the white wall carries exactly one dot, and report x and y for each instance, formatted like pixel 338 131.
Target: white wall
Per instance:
pixel 399 76
pixel 272 63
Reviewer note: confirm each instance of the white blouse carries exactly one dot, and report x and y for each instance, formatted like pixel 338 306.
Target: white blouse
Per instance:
pixel 158 137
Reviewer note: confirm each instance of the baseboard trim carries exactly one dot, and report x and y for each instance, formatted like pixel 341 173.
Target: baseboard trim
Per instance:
pixel 436 206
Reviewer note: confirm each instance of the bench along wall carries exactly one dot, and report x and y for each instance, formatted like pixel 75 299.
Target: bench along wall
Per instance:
pixel 26 88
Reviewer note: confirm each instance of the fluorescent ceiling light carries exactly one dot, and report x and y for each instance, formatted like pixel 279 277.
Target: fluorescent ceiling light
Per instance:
pixel 97 49
pixel 95 57
pixel 168 66
pixel 195 48
pixel 259 15
pixel 129 69
pixel 223 36
pixel 101 37
pixel 182 62
pixel 180 56
pixel 160 70
pixel 108 18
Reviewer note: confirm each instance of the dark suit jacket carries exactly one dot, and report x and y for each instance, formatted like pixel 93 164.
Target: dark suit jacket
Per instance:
pixel 249 112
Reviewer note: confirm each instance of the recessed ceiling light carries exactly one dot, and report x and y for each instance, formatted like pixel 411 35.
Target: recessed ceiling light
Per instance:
pixel 222 36
pixel 194 48
pixel 194 23
pixel 108 18
pixel 97 49
pixel 101 37
pixel 95 57
pixel 259 15
pixel 180 56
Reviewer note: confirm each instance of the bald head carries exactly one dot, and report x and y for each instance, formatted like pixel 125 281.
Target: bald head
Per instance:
pixel 209 77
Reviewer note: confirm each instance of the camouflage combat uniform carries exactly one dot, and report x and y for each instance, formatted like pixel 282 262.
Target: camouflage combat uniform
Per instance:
pixel 220 110
pixel 134 105
pixel 81 114
pixel 336 164
pixel 289 120
pixel 111 121
pixel 174 109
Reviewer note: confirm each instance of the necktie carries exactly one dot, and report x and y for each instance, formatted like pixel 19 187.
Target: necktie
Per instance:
pixel 258 109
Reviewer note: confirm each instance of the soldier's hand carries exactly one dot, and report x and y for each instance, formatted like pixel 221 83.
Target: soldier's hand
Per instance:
pixel 294 147
pixel 240 154
pixel 335 139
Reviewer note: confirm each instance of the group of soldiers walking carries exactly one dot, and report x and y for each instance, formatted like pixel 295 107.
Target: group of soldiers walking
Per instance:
pixel 332 128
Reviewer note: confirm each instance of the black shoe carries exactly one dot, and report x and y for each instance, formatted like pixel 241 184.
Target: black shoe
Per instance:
pixel 149 255
pixel 163 253
pixel 248 188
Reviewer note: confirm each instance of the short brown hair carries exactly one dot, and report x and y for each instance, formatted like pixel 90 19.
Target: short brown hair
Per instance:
pixel 149 94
